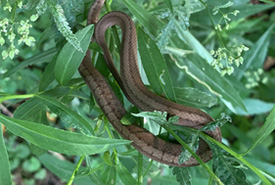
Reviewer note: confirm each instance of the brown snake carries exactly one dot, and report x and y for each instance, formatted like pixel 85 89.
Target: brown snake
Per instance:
pixel 130 82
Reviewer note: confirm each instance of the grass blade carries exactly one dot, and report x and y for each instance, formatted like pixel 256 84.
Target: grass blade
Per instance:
pixel 267 128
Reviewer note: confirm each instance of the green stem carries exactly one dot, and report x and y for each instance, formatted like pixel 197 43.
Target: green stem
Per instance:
pixel 148 168
pixel 76 170
pixel 212 22
pixel 9 97
pixel 14 11
pixel 210 172
pixel 140 168
pixel 114 30
pixel 111 136
pixel 239 157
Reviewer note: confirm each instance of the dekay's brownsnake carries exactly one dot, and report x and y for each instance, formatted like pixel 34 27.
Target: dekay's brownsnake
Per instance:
pixel 130 81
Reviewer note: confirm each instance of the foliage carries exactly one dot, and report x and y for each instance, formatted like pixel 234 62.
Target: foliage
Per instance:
pixel 207 54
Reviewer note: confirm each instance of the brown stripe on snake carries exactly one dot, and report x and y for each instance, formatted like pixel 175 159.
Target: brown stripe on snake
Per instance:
pixel 130 82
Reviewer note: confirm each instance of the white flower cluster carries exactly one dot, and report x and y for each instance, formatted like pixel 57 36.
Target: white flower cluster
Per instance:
pixel 12 31
pixel 254 78
pixel 224 60
pixel 226 20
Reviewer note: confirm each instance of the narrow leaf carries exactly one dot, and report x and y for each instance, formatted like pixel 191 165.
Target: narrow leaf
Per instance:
pixel 268 1
pixel 40 58
pixel 266 129
pixel 151 23
pixel 155 66
pixel 109 176
pixel 67 115
pixel 169 5
pixel 5 175
pixel 203 73
pixel 255 57
pixel 125 175
pixel 57 140
pixel 48 75
pixel 32 110
pixel 193 97
pixel 61 168
pixel 70 58
pixel 253 107
pixel 193 43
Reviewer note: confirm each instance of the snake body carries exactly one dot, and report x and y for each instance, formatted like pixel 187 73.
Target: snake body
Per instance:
pixel 131 84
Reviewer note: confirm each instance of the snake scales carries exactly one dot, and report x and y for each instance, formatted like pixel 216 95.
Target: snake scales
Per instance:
pixel 130 82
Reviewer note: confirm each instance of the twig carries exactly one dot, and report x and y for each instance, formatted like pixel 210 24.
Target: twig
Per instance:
pixel 5 111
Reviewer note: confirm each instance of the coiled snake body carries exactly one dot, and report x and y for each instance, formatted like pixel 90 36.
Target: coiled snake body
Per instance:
pixel 130 82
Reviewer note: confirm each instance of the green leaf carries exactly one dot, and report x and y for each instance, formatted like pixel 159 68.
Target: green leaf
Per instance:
pixel 269 2
pixel 10 97
pixel 193 97
pixel 41 174
pixel 109 176
pixel 151 23
pixel 169 5
pixel 266 129
pixel 203 73
pixel 255 57
pixel 157 116
pixel 31 4
pixel 217 123
pixel 32 110
pixel 155 66
pixel 70 58
pixel 226 168
pixel 57 140
pixel 67 115
pixel 124 174
pixel 22 151
pixel 253 107
pixel 48 75
pixel 40 58
pixel 183 175
pixel 5 175
pixel 261 164
pixel 192 42
pixel 31 165
pixel 245 9
pixel 62 169
pixel 193 142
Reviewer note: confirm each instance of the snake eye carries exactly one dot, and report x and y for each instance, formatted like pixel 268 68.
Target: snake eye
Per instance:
pixel 169 116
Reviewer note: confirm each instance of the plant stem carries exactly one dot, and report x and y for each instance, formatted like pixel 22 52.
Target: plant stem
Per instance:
pixel 212 22
pixel 76 170
pixel 148 168
pixel 210 172
pixel 13 11
pixel 111 136
pixel 140 168
pixel 239 157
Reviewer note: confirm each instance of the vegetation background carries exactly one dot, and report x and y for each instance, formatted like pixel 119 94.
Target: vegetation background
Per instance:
pixel 218 56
